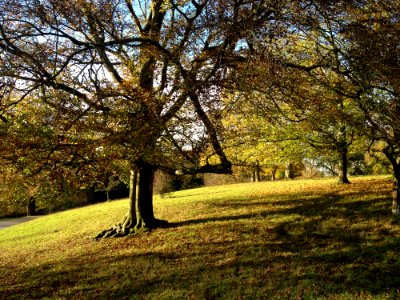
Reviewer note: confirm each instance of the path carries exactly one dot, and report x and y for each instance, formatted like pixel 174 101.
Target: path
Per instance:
pixel 4 223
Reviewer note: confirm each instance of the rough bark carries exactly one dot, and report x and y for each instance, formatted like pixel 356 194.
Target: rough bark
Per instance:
pixel 140 215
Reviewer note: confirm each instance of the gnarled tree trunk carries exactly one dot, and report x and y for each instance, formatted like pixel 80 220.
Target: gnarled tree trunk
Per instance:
pixel 140 215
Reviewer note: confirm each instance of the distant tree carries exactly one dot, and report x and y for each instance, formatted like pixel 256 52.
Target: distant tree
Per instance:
pixel 296 80
pixel 362 38
pixel 47 161
pixel 260 141
pixel 373 54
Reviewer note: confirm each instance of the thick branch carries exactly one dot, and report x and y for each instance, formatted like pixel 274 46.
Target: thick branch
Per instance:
pixel 212 133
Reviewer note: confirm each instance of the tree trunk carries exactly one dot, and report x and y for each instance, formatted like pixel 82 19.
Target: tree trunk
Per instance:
pixel 253 176
pixel 396 188
pixel 31 208
pixel 289 171
pixel 256 173
pixel 144 204
pixel 140 215
pixel 343 165
pixel 127 224
pixel 273 173
pixel 343 148
pixel 396 200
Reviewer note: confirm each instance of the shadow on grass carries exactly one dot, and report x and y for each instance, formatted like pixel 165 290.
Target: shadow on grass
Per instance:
pixel 282 267
pixel 186 195
pixel 325 206
pixel 315 246
pixel 343 246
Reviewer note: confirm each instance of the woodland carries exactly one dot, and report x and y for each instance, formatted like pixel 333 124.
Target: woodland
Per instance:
pixel 98 92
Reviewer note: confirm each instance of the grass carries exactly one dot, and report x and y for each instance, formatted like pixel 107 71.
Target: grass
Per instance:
pixel 303 239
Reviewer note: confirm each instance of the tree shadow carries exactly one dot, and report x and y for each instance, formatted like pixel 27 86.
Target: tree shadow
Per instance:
pixel 173 196
pixel 325 206
pixel 331 247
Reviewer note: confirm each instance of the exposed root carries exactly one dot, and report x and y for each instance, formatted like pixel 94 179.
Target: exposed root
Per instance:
pixel 127 227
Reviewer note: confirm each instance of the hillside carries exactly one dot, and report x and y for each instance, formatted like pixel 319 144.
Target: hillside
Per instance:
pixel 286 240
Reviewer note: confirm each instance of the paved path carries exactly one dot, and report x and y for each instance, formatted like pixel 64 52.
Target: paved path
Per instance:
pixel 4 223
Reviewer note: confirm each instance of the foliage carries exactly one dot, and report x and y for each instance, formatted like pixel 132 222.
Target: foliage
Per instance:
pixel 13 193
pixel 45 162
pixel 257 140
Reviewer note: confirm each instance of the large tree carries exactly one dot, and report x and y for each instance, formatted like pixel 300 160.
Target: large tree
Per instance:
pixel 137 73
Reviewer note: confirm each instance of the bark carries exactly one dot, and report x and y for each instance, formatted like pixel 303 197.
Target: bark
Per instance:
pixel 396 188
pixel 258 172
pixel 253 176
pixel 31 208
pixel 289 171
pixel 126 225
pixel 343 148
pixel 273 173
pixel 396 200
pixel 343 165
pixel 140 215
pixel 144 204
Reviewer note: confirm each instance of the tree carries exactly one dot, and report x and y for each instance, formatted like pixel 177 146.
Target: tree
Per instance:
pixel 133 74
pixel 372 53
pixel 46 162
pixel 260 141
pixel 363 38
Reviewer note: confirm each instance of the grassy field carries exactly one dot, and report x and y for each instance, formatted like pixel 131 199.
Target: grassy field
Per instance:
pixel 311 239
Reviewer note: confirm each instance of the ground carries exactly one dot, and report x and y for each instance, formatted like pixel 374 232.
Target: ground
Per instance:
pixel 297 239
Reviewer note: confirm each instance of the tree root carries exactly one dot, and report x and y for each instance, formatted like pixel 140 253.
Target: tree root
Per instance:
pixel 128 227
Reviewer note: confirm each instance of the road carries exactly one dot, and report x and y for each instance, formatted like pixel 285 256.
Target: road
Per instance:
pixel 4 223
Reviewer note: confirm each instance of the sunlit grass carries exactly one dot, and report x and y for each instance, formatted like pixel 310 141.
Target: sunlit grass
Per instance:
pixel 302 239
